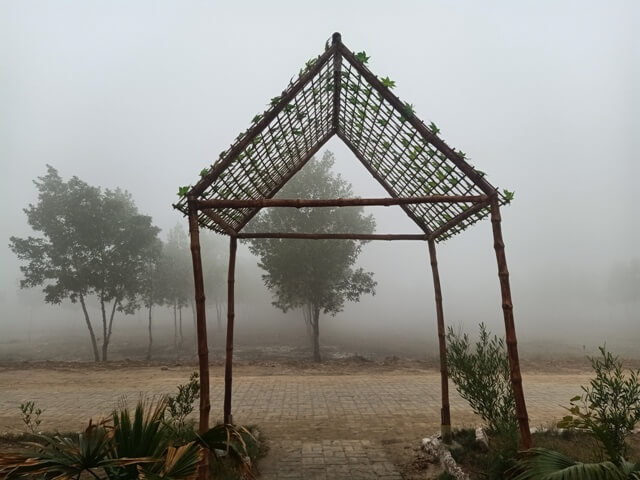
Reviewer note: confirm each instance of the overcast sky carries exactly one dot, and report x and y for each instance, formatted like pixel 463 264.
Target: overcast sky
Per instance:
pixel 542 95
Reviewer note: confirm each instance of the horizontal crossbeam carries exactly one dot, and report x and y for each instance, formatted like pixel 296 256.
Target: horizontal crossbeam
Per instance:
pixel 337 202
pixel 336 236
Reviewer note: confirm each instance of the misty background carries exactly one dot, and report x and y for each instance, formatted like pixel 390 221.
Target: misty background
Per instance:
pixel 543 96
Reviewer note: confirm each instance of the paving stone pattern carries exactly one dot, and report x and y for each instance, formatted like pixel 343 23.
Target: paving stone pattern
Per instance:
pixel 318 426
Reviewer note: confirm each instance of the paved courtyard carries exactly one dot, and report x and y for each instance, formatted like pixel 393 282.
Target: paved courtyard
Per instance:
pixel 318 426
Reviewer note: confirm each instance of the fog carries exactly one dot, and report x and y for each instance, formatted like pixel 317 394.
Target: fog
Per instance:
pixel 543 96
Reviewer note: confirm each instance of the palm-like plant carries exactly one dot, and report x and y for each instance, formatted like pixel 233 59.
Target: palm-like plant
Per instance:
pixel 545 464
pixel 233 440
pixel 131 447
pixel 142 436
pixel 180 463
pixel 67 457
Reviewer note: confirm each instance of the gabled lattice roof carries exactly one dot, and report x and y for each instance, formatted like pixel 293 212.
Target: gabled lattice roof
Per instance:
pixel 336 94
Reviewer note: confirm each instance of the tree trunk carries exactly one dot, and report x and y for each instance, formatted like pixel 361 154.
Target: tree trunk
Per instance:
pixel 107 340
pixel 92 335
pixel 195 326
pixel 219 315
pixel 104 329
pixel 150 334
pixel 175 327
pixel 180 320
pixel 315 324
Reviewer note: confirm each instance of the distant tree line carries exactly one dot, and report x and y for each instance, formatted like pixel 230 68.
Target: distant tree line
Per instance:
pixel 94 243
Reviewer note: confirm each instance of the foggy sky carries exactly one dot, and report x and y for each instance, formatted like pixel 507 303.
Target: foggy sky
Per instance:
pixel 543 96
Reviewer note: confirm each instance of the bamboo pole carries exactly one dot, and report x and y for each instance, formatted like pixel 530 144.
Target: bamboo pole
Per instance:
pixel 286 98
pixel 337 82
pixel 414 121
pixel 337 202
pixel 220 221
pixel 201 322
pixel 228 361
pixel 288 176
pixel 383 182
pixel 445 411
pixel 507 310
pixel 336 236
pixel 457 219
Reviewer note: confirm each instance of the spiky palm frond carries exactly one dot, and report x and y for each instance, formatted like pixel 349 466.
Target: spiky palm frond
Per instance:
pixel 230 439
pixel 180 463
pixel 545 464
pixel 63 458
pixel 142 435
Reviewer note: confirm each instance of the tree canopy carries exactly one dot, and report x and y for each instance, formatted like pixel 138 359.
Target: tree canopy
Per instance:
pixel 316 275
pixel 92 241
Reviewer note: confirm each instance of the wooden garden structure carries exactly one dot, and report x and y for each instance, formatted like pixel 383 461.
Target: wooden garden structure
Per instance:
pixel 336 94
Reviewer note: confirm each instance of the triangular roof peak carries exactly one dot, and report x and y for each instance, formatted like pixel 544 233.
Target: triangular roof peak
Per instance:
pixel 336 94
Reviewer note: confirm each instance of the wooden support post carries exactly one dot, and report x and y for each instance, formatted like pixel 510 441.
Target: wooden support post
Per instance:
pixel 507 310
pixel 445 413
pixel 228 362
pixel 201 328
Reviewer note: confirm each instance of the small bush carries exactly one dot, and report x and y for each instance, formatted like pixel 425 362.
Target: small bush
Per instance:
pixel 481 376
pixel 180 406
pixel 610 406
pixel 31 415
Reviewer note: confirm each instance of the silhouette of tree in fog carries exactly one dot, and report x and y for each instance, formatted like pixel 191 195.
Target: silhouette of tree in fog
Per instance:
pixel 93 242
pixel 316 275
pixel 175 280
pixel 151 288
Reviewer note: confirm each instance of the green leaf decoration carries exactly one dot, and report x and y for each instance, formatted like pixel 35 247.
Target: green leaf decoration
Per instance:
pixel 256 118
pixel 182 191
pixel 508 196
pixel 274 101
pixel 204 172
pixel 362 56
pixel 461 154
pixel 387 82
pixel 289 108
pixel 433 128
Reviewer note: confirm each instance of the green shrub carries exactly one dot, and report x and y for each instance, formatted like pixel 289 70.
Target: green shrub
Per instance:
pixel 609 407
pixel 31 415
pixel 179 407
pixel 481 376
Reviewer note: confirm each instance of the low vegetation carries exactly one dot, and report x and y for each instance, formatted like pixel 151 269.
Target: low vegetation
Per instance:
pixel 593 442
pixel 154 441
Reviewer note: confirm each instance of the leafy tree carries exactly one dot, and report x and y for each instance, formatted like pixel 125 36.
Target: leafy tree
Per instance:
pixel 92 242
pixel 316 275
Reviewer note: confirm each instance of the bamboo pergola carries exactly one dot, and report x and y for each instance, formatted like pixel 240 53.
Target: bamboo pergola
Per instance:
pixel 336 94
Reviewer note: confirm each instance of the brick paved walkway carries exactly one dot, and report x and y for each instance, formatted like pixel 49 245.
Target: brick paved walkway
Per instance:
pixel 319 426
